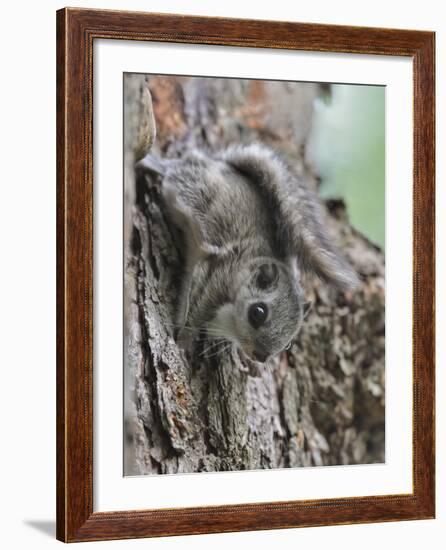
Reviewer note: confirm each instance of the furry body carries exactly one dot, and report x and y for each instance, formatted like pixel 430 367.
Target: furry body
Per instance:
pixel 250 226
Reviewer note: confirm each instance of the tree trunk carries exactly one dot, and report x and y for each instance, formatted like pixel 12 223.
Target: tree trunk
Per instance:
pixel 321 402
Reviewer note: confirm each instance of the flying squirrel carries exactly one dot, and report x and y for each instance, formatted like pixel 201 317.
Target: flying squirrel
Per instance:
pixel 251 226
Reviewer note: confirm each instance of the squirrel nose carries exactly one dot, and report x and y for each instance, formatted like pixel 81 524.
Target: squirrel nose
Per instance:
pixel 261 357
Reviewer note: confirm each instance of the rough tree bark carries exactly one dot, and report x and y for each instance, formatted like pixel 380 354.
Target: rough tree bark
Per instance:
pixel 321 402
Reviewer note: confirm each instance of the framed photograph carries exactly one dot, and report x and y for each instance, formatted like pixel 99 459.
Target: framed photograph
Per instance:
pixel 245 224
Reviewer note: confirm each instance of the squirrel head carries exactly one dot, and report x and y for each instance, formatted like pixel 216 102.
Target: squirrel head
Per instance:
pixel 266 311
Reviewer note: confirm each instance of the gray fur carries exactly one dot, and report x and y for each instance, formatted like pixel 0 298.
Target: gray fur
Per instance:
pixel 244 214
pixel 299 229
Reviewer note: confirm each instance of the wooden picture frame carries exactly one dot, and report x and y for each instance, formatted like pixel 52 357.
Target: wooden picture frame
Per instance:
pixel 76 31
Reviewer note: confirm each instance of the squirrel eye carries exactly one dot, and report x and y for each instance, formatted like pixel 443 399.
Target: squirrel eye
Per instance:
pixel 257 314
